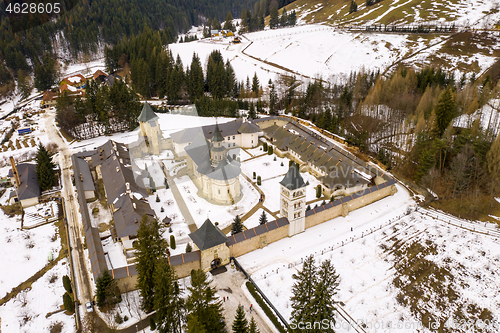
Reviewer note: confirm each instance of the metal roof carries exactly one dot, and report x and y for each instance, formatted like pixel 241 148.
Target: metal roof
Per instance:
pixel 84 175
pixel 29 187
pixel 147 114
pixel 293 180
pixel 208 236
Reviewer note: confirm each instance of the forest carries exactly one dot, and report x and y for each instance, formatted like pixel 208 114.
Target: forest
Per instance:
pixel 85 27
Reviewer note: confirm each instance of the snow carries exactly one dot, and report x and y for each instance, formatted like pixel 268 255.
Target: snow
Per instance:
pixel 253 220
pixel 104 215
pixel 201 209
pixel 74 79
pixel 115 256
pixel 40 213
pixel 367 271
pixel 24 251
pixel 497 199
pixel 488 117
pixel 43 297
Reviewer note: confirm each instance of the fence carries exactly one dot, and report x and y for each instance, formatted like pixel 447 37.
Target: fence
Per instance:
pixel 264 297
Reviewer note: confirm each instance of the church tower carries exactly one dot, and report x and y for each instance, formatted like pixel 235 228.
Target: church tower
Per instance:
pixel 293 200
pixel 150 129
pixel 217 149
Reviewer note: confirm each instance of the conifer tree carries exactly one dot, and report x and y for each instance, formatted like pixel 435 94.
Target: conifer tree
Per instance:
pixel 303 291
pixel 107 292
pixel 195 79
pixel 292 18
pixel 228 25
pixel 194 325
pixel 69 305
pixel 251 111
pixel 445 110
pixel 493 163
pixel 150 247
pixel 237 225
pixel 168 301
pixel 353 8
pixel 273 100
pixel 67 284
pixel 323 302
pixel 240 323
pixel 202 305
pixel 253 327
pixel 283 18
pixel 263 218
pixel 44 168
pixel 274 20
pixel 255 85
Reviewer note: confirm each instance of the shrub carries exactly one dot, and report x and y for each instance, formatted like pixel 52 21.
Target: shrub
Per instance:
pixel 95 210
pixel 290 163
pixel 172 242
pixel 53 278
pixel 67 284
pixel 259 181
pixel 264 145
pixel 265 307
pixel 125 318
pixel 318 191
pixel 254 175
pixel 270 150
pixel 189 248
pixel 152 323
pixel 56 327
pixel 170 230
pixel 157 198
pixel 162 209
pixel 282 163
pixel 274 159
pixel 68 303
pixel 118 319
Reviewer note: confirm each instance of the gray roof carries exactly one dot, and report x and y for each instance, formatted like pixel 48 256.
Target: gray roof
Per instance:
pixel 103 152
pixel 217 137
pixel 293 180
pixel 226 129
pixel 86 177
pixel 147 113
pixel 225 170
pixel 208 236
pixel 29 187
pixel 129 214
pixel 115 181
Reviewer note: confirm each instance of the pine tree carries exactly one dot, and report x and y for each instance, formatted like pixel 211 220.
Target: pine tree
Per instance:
pixel 240 323
pixel 263 218
pixel 228 25
pixel 303 291
pixel 168 301
pixel 188 248
pixel 150 247
pixel 44 168
pixel 107 292
pixel 308 207
pixel 194 325
pixel 203 306
pixel 493 162
pixel 255 85
pixel 323 302
pixel 68 303
pixel 253 327
pixel 292 18
pixel 237 225
pixel 244 19
pixel 67 284
pixel 274 20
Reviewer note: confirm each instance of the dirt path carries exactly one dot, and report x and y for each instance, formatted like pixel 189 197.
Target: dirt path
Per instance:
pixel 229 284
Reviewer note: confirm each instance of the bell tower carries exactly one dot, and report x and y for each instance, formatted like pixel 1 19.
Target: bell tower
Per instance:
pixel 293 200
pixel 150 129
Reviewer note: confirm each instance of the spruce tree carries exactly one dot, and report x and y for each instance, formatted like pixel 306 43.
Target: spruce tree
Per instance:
pixel 203 306
pixel 67 284
pixel 253 327
pixel 168 301
pixel 69 305
pixel 292 18
pixel 107 292
pixel 228 25
pixel 194 325
pixel 445 110
pixel 283 18
pixel 274 21
pixel 240 323
pixel 353 8
pixel 255 85
pixel 237 225
pixel 195 82
pixel 150 247
pixel 44 168
pixel 251 112
pixel 172 242
pixel 303 291
pixel 273 100
pixel 323 302
pixel 263 218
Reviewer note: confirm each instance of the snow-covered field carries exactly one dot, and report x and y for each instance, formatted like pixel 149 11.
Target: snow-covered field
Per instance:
pixel 27 312
pixel 369 265
pixel 24 251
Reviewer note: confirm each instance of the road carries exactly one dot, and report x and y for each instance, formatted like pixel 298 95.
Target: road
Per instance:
pixel 83 292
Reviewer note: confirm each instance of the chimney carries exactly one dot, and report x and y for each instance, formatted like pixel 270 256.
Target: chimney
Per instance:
pixel 101 156
pixel 14 171
pixel 121 160
pixel 81 177
pixel 117 169
pixel 133 204
pixel 127 187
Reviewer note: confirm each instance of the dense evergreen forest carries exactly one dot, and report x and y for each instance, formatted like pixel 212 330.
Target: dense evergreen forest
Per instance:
pixel 91 24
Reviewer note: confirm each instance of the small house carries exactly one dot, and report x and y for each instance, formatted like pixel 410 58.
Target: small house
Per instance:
pixel 49 99
pixel 99 76
pixel 24 178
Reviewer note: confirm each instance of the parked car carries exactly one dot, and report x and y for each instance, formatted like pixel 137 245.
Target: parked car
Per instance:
pixel 89 307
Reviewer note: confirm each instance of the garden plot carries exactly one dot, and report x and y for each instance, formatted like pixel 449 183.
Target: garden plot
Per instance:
pixel 179 227
pixel 24 252
pixel 40 213
pixel 27 312
pixel 201 209
pixel 265 167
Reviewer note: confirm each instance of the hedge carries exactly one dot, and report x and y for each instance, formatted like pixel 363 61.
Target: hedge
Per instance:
pixel 265 307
